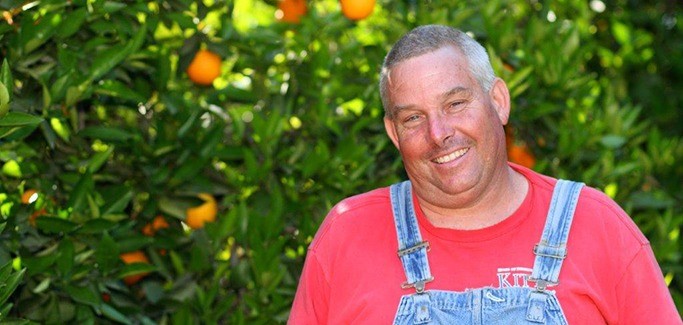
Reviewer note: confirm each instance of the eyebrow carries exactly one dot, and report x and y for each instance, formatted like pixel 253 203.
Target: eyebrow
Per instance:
pixel 458 90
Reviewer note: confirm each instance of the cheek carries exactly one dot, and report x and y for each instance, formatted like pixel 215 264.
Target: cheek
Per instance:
pixel 410 143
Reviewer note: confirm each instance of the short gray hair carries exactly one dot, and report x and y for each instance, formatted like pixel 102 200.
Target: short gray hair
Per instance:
pixel 429 38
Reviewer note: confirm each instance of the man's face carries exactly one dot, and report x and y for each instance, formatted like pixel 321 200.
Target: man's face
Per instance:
pixel 447 129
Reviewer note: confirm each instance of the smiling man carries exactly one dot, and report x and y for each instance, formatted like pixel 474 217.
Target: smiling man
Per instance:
pixel 471 238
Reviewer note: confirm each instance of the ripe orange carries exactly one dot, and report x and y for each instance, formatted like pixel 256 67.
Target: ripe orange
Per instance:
pixel 291 11
pixel 29 196
pixel 35 215
pixel 151 228
pixel 357 9
pixel 204 68
pixel 520 154
pixel 134 257
pixel 195 217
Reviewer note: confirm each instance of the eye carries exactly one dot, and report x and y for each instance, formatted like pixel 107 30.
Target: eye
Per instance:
pixel 456 104
pixel 411 120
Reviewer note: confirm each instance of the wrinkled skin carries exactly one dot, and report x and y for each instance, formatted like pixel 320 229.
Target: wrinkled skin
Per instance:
pixel 450 134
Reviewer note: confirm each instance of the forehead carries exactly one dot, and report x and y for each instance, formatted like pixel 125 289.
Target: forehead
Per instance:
pixel 427 75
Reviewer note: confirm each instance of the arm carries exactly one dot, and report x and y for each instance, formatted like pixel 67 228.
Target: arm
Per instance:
pixel 643 296
pixel 312 296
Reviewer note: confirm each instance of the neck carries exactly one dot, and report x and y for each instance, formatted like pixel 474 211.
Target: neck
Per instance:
pixel 494 205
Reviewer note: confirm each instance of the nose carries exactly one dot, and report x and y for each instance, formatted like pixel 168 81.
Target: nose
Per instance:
pixel 440 129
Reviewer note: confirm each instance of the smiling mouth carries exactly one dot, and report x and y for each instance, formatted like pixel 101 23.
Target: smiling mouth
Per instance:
pixel 450 157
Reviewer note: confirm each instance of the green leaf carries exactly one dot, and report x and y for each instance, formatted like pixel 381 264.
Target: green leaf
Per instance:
pixel 118 89
pixel 199 259
pixel 66 253
pixel 115 315
pixel 61 129
pixel 99 158
pixel 621 33
pixel 77 197
pixel 613 141
pixel 96 226
pixel 74 93
pixel 12 168
pixel 84 295
pixel 118 199
pixel 237 95
pixel 6 85
pixel 154 292
pixel 133 242
pixel 136 269
pixel 9 280
pixel 55 225
pixel 72 23
pixel 170 207
pixel 111 7
pixel 107 254
pixel 6 78
pixel 39 264
pixel 15 119
pixel 108 59
pixel 36 33
pixel 188 170
pixel 4 100
pixel 163 66
pixel 105 133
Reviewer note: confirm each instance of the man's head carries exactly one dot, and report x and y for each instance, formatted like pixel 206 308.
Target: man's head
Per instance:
pixel 445 116
pixel 429 38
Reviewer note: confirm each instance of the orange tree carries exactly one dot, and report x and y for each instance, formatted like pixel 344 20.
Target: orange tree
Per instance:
pixel 99 116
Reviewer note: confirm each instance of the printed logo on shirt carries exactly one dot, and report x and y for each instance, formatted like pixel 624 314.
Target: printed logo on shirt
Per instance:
pixel 513 277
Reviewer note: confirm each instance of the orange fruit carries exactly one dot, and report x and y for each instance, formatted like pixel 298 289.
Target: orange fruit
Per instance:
pixel 520 154
pixel 291 11
pixel 159 223
pixel 134 257
pixel 204 68
pixel 195 217
pixel 29 196
pixel 147 230
pixel 151 228
pixel 35 215
pixel 357 9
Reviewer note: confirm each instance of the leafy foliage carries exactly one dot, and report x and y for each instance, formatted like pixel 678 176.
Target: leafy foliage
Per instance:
pixel 100 118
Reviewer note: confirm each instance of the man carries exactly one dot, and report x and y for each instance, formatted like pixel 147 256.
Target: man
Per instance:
pixel 479 240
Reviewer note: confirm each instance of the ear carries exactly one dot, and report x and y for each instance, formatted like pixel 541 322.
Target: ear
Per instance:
pixel 390 127
pixel 500 98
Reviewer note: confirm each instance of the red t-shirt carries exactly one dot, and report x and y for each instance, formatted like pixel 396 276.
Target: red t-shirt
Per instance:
pixel 352 274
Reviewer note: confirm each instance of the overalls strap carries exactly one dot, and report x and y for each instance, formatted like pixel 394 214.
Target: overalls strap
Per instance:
pixel 552 249
pixel 411 249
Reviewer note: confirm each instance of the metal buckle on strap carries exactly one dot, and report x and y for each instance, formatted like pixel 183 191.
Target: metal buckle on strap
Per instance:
pixel 418 285
pixel 412 249
pixel 563 250
pixel 541 285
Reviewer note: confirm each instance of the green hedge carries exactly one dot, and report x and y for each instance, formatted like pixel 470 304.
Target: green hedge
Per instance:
pixel 105 125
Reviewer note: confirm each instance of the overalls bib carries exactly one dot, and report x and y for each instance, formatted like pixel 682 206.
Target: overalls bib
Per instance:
pixel 488 305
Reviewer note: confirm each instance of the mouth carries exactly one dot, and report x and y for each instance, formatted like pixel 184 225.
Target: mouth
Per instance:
pixel 450 157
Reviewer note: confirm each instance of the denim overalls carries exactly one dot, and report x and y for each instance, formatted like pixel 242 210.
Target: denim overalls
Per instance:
pixel 488 305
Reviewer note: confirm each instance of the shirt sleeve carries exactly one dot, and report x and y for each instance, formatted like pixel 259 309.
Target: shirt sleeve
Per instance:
pixel 312 295
pixel 643 295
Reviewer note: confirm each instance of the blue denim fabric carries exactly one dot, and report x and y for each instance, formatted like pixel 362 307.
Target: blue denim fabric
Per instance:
pixel 512 305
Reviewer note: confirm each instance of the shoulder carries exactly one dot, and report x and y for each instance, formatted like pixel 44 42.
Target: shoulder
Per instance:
pixel 355 214
pixel 599 207
pixel 594 211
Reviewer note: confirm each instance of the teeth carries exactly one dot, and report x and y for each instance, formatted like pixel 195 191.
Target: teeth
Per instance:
pixel 451 157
